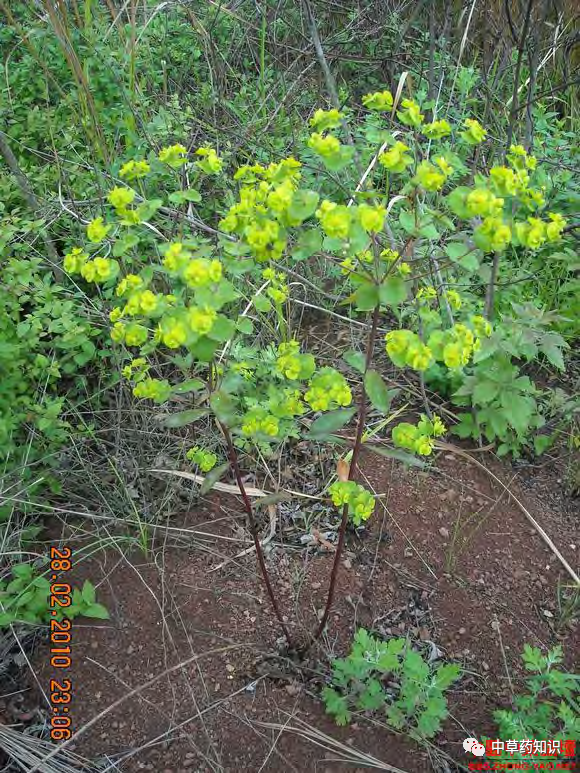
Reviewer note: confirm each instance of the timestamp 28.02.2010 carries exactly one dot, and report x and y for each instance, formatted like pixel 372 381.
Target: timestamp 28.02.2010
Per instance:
pixel 60 644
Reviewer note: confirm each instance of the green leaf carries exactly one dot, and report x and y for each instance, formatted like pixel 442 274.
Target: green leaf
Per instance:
pixel 356 360
pixel 245 325
pixel 519 412
pixel 377 391
pixel 339 160
pixel 183 418
pixel 179 197
pixel 223 407
pixel 212 477
pixel 147 209
pixel 124 244
pixel 22 571
pixel 551 345
pixel 456 202
pixel 429 231
pixel 366 297
pixel 330 422
pixel 309 242
pixel 204 349
pixel 447 674
pixel 542 443
pixel 191 385
pixel 373 697
pixel 485 391
pixel 271 499
pixel 262 304
pixel 392 291
pixel 337 705
pixel 407 221
pixel 88 592
pixel 97 611
pixel 303 204
pixel 395 453
pixel 222 329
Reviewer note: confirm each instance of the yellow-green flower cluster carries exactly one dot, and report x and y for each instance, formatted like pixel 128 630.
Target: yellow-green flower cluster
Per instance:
pixel 200 272
pixel 259 421
pixel 293 365
pixel 406 348
pixel 323 120
pixel 140 302
pixel 426 294
pixel 74 260
pixel 205 460
pixel 176 256
pixel 359 501
pixel 481 202
pixel 436 130
pixel 134 170
pixel 493 235
pixel 208 160
pixel 396 159
pixel 504 180
pixel 96 270
pixel 130 333
pixel 519 158
pixel 430 177
pixel 136 369
pixel 286 404
pixel 456 345
pixel 173 155
pixel 194 272
pixel 410 113
pixel 327 389
pixel 420 437
pixel 261 215
pixel 201 319
pixel 174 330
pixel 278 289
pixel 378 100
pixel 325 145
pixel 389 256
pixel 129 283
pixel 372 218
pixel 335 219
pixel 474 133
pixel 97 230
pixel 120 199
pixel 350 264
pixel 481 326
pixel 454 299
pixel 266 238
pixel 535 232
pixel 153 389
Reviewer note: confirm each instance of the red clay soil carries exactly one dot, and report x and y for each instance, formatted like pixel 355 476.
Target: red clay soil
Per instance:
pixel 448 560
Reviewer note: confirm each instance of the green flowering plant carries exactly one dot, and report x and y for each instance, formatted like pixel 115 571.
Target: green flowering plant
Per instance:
pixel 195 300
pixel 392 677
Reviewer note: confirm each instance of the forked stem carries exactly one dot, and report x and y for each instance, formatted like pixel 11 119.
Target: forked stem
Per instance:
pixel 234 464
pixel 362 412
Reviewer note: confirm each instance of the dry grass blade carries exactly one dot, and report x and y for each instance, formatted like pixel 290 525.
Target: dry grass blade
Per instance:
pixel 27 752
pixel 347 753
pixel 230 488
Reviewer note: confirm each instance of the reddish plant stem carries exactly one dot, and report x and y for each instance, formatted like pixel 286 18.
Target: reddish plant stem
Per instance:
pixel 234 464
pixel 362 413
